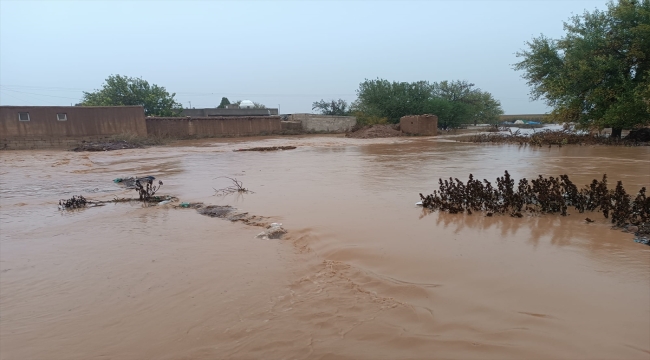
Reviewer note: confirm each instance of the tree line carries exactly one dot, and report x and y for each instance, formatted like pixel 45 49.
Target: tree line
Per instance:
pixel 597 75
pixel 381 101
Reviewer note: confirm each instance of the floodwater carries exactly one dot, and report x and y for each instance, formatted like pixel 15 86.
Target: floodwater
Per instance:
pixel 362 273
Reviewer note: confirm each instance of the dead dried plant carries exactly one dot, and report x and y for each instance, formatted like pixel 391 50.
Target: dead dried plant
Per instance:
pixel 236 187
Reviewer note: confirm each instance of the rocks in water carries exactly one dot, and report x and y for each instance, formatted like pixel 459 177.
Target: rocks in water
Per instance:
pixel 273 231
pixel 216 211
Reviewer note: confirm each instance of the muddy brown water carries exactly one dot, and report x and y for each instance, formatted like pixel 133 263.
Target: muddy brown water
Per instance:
pixel 363 272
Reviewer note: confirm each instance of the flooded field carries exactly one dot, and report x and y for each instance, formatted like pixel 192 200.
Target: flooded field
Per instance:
pixel 362 273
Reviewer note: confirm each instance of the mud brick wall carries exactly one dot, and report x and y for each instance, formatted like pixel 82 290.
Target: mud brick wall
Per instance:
pixel 419 125
pixel 47 122
pixel 193 127
pixel 295 126
pixel 324 123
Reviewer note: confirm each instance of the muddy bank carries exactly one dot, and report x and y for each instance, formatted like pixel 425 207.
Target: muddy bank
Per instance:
pixel 375 131
pixel 107 146
pixel 362 272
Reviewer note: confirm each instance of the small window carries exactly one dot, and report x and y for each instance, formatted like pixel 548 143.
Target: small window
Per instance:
pixel 23 116
pixel 62 116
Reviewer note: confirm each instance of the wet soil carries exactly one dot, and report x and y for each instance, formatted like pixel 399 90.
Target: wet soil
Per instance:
pixel 375 131
pixel 362 272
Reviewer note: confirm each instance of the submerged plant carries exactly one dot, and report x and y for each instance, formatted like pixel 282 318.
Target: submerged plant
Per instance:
pixel 552 195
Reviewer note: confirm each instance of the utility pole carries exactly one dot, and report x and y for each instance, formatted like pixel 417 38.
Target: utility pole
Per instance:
pixel 190 104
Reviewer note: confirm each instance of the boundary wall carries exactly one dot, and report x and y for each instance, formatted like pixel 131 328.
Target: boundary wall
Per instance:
pixel 194 127
pixel 324 123
pixel 35 127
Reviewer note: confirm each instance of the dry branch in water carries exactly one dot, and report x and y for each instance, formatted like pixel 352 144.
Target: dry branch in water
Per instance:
pixel 236 187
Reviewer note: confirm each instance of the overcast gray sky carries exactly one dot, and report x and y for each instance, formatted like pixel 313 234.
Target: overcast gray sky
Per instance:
pixel 279 53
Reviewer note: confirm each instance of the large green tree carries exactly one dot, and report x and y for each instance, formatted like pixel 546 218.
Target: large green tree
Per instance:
pixel 338 107
pixel 120 90
pixel 598 74
pixel 454 102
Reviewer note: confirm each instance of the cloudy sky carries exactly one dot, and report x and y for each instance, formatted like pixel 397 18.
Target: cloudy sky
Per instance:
pixel 279 53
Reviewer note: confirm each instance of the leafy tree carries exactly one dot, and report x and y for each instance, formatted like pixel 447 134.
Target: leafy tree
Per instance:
pixel 598 74
pixel 123 90
pixel 224 102
pixel 338 107
pixel 454 102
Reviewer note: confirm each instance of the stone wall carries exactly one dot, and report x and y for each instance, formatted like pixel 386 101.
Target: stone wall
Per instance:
pixel 324 123
pixel 426 125
pixel 193 127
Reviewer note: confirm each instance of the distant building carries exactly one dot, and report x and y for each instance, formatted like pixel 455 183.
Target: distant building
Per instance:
pixel 245 108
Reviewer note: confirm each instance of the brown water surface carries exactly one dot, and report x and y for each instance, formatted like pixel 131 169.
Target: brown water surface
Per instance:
pixel 363 272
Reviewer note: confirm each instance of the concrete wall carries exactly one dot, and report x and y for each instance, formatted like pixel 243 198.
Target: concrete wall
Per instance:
pixel 419 125
pixel 81 121
pixel 324 123
pixel 190 127
pixel 228 112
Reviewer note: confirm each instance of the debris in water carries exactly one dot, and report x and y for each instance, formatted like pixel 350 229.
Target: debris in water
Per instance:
pixel 236 187
pixel 146 188
pixel 273 231
pixel 268 148
pixel 75 202
pixel 229 213
pixel 216 211
pixel 589 220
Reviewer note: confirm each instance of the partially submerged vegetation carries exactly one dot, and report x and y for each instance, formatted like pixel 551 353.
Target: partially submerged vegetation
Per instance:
pixel 144 186
pixel 552 195
pixel 554 137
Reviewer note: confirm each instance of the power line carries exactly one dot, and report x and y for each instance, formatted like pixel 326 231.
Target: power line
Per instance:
pixel 17 98
pixel 24 92
pixel 42 88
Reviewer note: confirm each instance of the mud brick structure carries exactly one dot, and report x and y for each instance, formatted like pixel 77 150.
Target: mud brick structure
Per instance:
pixel 419 124
pixel 30 127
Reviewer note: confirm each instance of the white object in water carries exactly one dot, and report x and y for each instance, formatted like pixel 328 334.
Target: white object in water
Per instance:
pixel 419 203
pixel 164 202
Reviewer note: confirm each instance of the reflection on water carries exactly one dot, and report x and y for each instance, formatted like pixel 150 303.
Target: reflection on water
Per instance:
pixel 364 273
